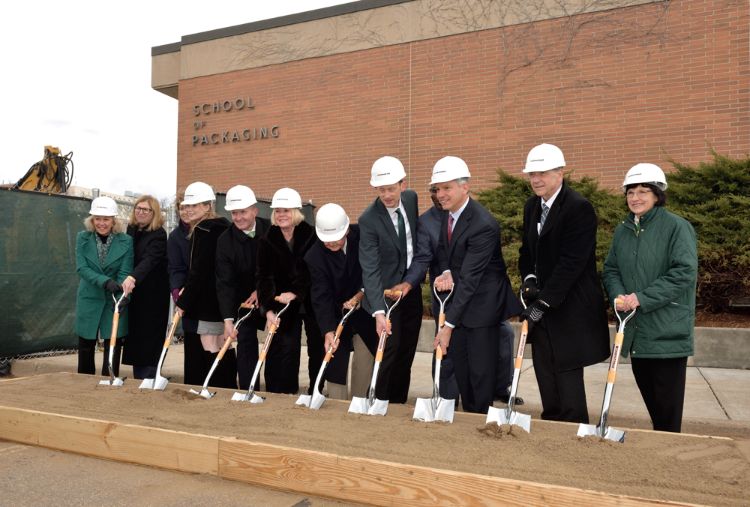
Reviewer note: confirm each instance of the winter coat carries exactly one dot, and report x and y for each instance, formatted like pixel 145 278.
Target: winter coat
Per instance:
pixel 283 270
pixel 563 257
pixel 94 305
pixel 178 266
pixel 198 299
pixel 149 305
pixel 659 263
pixel 236 266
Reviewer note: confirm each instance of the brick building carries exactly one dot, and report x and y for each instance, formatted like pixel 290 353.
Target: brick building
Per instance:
pixel 311 100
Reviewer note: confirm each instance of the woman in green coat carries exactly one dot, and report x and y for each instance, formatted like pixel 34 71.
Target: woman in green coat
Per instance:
pixel 104 257
pixel 652 267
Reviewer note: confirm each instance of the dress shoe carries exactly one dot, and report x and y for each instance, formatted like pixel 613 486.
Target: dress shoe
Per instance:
pixel 505 398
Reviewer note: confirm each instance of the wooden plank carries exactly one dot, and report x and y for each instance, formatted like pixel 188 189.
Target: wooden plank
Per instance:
pixel 174 450
pixel 384 483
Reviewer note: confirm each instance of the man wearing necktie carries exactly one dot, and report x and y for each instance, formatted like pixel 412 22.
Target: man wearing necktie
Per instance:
pixel 236 254
pixel 388 239
pixel 471 261
pixel 566 306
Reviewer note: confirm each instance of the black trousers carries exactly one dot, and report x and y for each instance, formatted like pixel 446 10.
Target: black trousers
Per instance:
pixel 473 352
pixel 662 385
pixel 563 393
pixel 281 371
pixel 247 355
pixel 198 362
pixel 401 346
pixel 86 352
pixel 315 348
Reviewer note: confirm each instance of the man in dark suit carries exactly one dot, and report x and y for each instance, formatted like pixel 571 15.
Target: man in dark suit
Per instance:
pixel 388 240
pixel 469 256
pixel 566 312
pixel 336 286
pixel 236 254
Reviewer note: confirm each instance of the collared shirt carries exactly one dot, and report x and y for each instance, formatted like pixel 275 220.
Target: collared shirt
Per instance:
pixel 457 214
pixel 549 205
pixel 394 219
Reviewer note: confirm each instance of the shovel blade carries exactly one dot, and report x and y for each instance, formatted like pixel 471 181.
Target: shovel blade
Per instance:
pixel 363 406
pixel 157 384
pixel 204 393
pixel 424 410
pixel 116 382
pixel 251 398
pixel 613 434
pixel 500 417
pixel 378 407
pixel 147 383
pixel 304 400
pixel 317 401
pixel 445 410
pixel 358 405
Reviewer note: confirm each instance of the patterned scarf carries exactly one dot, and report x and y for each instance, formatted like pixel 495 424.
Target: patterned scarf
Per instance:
pixel 102 247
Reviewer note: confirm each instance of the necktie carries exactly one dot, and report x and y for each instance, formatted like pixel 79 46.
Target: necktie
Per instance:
pixel 545 212
pixel 251 233
pixel 401 232
pixel 450 227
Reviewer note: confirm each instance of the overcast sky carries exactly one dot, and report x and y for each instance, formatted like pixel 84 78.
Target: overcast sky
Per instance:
pixel 77 75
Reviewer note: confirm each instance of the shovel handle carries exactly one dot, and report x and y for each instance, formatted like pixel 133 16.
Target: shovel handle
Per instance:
pixel 614 359
pixel 113 334
pixel 393 294
pixel 224 348
pixel 172 329
pixel 521 344
pixel 439 353
pixel 441 319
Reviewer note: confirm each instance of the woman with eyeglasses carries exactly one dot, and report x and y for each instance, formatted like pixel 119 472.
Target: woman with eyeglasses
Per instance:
pixel 652 267
pixel 149 308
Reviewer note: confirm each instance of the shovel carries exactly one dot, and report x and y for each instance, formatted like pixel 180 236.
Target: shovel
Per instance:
pixel 204 392
pixel 317 399
pixel 160 383
pixel 508 415
pixel 371 405
pixel 602 430
pixel 250 394
pixel 436 408
pixel 113 381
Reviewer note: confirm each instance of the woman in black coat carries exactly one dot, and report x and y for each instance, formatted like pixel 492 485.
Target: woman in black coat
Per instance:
pixel 149 308
pixel 198 298
pixel 282 272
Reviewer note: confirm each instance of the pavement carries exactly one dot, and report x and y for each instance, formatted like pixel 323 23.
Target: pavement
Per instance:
pixel 717 400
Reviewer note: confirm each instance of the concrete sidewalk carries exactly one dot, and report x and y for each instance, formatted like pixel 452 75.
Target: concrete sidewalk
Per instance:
pixel 717 397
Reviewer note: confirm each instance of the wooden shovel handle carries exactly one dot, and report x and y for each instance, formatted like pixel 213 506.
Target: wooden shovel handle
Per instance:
pixel 224 348
pixel 172 328
pixel 113 334
pixel 392 293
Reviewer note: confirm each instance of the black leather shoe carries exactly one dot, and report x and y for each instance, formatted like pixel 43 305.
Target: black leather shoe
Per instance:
pixel 505 398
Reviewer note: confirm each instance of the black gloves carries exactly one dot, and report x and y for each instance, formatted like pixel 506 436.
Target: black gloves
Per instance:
pixel 535 311
pixel 529 290
pixel 124 302
pixel 112 286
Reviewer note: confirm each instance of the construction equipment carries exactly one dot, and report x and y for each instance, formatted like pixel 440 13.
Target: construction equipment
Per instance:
pixel 436 408
pixel 53 174
pixel 204 392
pixel 508 415
pixel 372 405
pixel 114 381
pixel 601 430
pixel 316 400
pixel 272 328
pixel 159 383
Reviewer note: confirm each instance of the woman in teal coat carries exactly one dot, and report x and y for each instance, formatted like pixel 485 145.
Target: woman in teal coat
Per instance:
pixel 104 258
pixel 652 267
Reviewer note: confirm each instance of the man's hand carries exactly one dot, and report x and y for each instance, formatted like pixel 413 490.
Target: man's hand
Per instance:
pixel 443 339
pixel 252 300
pixel 404 287
pixel 128 285
pixel 354 300
pixel 628 303
pixel 330 341
pixel 535 311
pixel 381 324
pixel 270 318
pixel 444 282
pixel 229 330
pixel 180 311
pixel 530 290
pixel 286 297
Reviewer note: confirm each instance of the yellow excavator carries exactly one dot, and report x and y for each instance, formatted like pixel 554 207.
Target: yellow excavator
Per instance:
pixel 53 174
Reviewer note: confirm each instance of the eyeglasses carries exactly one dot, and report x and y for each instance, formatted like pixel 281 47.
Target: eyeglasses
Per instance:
pixel 638 193
pixel 143 210
pixel 433 190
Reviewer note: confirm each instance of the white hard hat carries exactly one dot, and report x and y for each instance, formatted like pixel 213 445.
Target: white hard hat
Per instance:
pixel 331 222
pixel 645 173
pixel 448 169
pixel 198 192
pixel 544 157
pixel 239 197
pixel 103 207
pixel 286 198
pixel 387 171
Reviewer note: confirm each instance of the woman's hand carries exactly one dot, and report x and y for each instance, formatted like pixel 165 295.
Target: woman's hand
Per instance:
pixel 128 285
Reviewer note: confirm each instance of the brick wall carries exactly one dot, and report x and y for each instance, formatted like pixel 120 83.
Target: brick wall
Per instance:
pixel 611 89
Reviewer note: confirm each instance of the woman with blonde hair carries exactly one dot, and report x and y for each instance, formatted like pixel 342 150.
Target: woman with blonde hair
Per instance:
pixel 198 298
pixel 148 281
pixel 104 257
pixel 282 272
